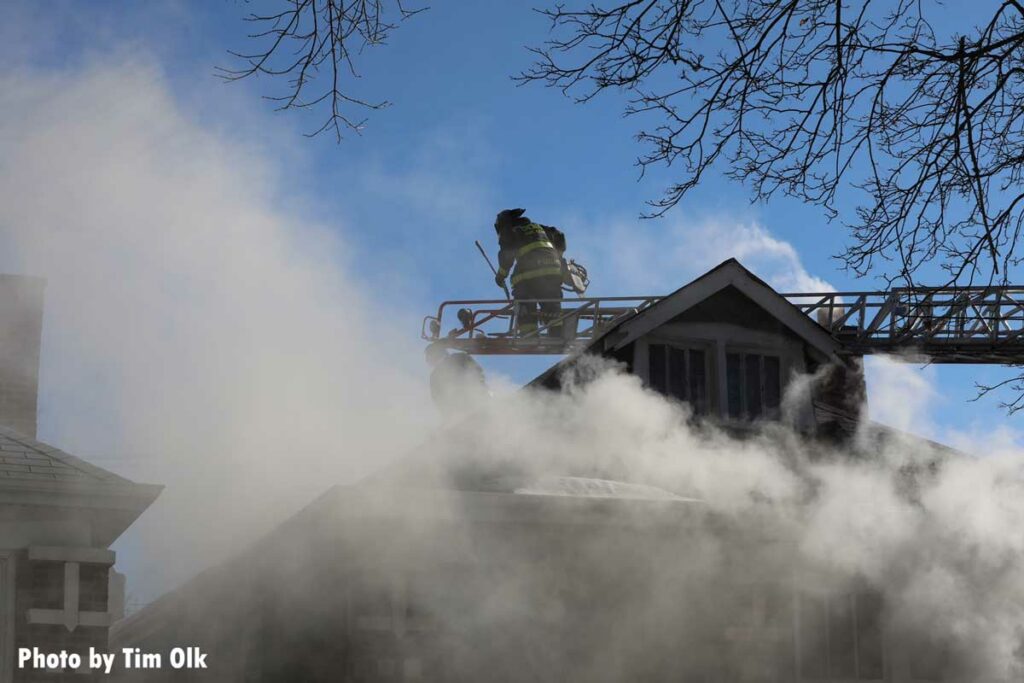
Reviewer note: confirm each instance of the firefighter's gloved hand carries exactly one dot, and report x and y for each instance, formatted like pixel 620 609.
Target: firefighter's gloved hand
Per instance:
pixel 499 280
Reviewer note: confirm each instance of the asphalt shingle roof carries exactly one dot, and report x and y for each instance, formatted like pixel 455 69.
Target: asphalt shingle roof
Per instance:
pixel 27 459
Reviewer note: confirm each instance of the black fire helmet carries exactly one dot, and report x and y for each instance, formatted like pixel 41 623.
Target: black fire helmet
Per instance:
pixel 508 217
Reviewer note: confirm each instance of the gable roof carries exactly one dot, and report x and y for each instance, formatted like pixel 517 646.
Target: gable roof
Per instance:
pixel 729 273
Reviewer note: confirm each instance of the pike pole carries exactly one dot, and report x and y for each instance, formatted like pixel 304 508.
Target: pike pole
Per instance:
pixel 486 258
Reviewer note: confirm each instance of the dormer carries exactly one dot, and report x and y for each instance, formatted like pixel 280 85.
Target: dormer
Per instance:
pixel 729 345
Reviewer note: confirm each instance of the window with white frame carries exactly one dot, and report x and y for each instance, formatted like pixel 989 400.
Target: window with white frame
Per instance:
pixel 760 636
pixel 753 385
pixel 681 373
pixel 840 637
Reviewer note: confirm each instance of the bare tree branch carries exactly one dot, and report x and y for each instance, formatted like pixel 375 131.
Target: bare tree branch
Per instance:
pixel 310 39
pixel 811 98
pixel 1014 384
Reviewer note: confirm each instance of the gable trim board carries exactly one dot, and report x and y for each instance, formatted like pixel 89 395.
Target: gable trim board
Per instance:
pixel 726 274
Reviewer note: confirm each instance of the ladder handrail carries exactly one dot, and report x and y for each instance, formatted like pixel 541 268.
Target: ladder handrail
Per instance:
pixel 936 320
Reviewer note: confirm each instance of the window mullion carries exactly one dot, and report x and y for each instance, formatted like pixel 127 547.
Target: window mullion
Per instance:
pixel 685 379
pixel 760 384
pixel 745 411
pixel 856 636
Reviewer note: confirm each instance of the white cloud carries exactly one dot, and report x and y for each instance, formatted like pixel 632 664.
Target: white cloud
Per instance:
pixel 659 256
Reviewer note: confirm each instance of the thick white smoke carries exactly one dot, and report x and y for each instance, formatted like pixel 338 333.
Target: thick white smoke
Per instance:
pixel 937 533
pixel 199 336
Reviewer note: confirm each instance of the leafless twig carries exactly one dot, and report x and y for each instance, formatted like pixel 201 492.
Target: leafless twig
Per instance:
pixel 319 39
pixel 812 97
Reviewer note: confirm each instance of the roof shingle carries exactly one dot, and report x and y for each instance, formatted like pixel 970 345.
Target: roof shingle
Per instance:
pixel 24 458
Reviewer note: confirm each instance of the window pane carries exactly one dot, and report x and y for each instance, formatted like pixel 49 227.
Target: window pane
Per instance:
pixel 928 660
pixel 840 638
pixel 657 367
pixel 734 384
pixel 753 385
pixel 772 385
pixel 869 636
pixel 47 584
pixel 778 616
pixel 677 373
pixel 813 638
pixel 93 584
pixel 698 382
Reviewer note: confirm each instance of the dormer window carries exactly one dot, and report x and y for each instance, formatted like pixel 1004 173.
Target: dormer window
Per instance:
pixel 681 373
pixel 753 385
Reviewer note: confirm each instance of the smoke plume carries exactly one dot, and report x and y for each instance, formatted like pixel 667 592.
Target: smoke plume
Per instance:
pixel 932 534
pixel 198 333
pixel 199 336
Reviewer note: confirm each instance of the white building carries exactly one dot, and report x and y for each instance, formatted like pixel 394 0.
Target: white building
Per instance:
pixel 58 514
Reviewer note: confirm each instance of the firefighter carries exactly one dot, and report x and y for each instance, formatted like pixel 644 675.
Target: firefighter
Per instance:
pixel 538 269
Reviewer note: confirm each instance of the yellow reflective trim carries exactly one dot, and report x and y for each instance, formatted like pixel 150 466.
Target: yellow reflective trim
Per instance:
pixel 534 245
pixel 540 272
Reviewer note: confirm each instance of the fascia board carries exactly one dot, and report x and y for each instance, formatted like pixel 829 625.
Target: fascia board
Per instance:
pixel 78 494
pixel 733 275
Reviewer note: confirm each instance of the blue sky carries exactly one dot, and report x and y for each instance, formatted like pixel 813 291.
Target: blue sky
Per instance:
pixel 461 141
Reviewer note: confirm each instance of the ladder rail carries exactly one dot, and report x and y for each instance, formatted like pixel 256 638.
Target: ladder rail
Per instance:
pixel 948 324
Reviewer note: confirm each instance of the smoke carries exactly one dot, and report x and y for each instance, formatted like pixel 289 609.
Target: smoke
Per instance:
pixel 200 332
pixel 639 545
pixel 901 394
pixel 200 335
pixel 891 527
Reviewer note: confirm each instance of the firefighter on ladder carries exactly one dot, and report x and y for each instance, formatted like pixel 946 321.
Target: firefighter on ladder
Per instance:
pixel 534 250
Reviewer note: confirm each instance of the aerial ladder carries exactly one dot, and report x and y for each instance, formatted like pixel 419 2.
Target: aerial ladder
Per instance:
pixel 944 324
